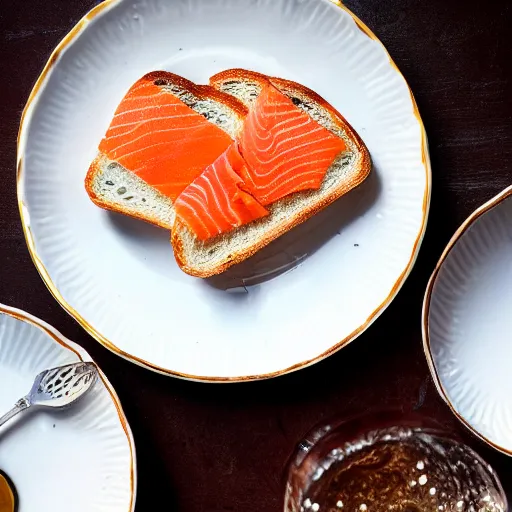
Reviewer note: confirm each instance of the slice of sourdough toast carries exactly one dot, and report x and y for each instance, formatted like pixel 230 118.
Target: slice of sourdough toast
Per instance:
pixel 113 187
pixel 350 168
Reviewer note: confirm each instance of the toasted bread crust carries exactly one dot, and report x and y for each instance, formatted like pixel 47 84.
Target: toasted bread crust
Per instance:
pixel 362 171
pixel 162 78
pixel 235 74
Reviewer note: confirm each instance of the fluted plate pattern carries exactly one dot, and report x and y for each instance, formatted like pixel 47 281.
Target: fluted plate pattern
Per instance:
pixel 80 459
pixel 470 325
pixel 118 277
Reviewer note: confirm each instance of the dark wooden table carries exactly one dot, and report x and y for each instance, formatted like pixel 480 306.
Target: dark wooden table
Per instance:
pixel 211 448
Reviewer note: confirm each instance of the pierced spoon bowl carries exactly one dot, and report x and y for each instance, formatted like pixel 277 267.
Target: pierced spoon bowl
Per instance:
pixel 56 387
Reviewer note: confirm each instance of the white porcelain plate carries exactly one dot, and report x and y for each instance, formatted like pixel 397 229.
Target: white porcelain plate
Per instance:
pixel 118 277
pixel 468 322
pixel 80 459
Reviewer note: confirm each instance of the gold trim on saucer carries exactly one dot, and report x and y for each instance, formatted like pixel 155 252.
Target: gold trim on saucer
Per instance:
pixel 107 343
pixel 62 341
pixel 426 310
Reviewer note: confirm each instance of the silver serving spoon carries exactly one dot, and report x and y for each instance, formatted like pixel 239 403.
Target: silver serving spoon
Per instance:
pixel 57 387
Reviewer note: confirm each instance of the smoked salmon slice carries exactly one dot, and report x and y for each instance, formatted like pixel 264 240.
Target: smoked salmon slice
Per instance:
pixel 286 151
pixel 217 201
pixel 161 139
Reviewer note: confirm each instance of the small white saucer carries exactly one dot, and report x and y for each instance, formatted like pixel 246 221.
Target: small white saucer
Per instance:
pixel 80 459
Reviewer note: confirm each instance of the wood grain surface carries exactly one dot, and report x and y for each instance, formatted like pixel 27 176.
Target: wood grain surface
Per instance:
pixel 213 448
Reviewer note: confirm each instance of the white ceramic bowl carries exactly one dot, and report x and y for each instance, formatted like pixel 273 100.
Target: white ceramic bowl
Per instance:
pixel 118 277
pixel 467 322
pixel 80 459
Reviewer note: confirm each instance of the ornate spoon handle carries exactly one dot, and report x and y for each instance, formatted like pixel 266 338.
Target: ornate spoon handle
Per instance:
pixel 20 405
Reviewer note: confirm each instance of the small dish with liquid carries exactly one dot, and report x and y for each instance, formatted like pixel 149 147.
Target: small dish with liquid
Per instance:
pixel 8 495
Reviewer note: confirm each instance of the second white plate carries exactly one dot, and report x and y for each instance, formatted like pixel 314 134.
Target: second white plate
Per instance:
pixel 118 277
pixel 467 322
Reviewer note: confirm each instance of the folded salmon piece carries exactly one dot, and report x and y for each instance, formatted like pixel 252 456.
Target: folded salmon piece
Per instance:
pixel 217 201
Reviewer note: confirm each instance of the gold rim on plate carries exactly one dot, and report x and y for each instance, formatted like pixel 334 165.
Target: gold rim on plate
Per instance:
pixel 64 342
pixel 426 311
pixel 70 38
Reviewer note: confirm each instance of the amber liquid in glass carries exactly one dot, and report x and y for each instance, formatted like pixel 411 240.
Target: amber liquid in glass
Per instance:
pixel 402 470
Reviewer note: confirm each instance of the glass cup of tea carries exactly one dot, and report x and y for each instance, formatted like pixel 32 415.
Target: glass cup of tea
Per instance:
pixel 388 463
